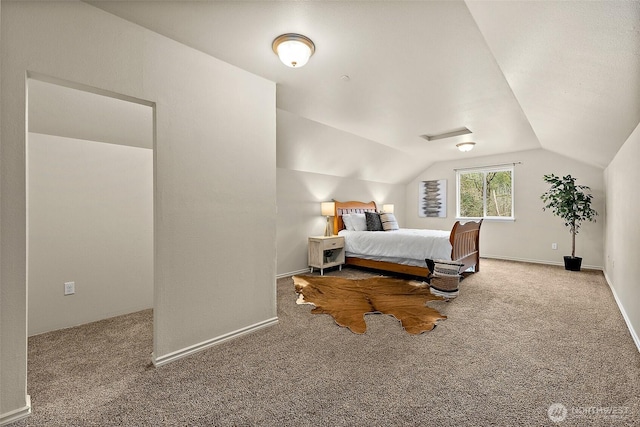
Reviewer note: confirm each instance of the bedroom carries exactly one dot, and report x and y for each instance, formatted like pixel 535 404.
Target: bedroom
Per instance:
pixel 296 177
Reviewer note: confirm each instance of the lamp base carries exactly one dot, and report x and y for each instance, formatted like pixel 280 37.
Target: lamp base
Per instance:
pixel 327 229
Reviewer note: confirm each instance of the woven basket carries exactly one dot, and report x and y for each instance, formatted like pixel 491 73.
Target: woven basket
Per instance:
pixel 447 269
pixel 445 279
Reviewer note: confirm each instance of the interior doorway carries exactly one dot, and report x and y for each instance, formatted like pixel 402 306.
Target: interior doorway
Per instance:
pixel 89 191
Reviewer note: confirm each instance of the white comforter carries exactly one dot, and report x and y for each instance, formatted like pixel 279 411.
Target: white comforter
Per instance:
pixel 404 243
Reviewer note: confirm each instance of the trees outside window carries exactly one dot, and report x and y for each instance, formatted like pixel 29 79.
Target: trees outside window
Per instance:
pixel 485 193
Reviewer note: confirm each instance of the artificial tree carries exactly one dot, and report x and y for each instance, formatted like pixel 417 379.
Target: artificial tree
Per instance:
pixel 572 203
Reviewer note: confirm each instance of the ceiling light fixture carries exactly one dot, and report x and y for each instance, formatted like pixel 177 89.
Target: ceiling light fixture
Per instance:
pixel 465 146
pixel 294 50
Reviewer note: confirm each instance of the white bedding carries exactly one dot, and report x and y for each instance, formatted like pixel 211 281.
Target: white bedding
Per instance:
pixel 409 244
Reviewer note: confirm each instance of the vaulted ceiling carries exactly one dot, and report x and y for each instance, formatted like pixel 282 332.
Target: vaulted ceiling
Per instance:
pixel 564 76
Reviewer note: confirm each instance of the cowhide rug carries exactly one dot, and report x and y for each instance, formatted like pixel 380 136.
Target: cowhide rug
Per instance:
pixel 348 300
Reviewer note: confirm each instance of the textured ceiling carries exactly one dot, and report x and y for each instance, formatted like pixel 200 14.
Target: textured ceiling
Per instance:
pixel 521 75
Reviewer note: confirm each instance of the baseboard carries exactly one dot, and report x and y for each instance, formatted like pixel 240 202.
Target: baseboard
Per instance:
pixel 537 261
pixel 172 357
pixel 533 261
pixel 16 414
pixel 102 317
pixel 293 273
pixel 632 331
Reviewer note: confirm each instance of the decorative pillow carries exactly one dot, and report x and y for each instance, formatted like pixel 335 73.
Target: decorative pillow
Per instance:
pixel 373 221
pixel 346 219
pixel 359 222
pixel 389 222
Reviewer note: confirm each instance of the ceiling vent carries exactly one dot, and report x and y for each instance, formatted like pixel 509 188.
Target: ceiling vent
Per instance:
pixel 448 134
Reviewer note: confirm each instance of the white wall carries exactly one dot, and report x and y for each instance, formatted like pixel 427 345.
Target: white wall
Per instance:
pixel 529 237
pixel 14 402
pixel 310 146
pixel 63 111
pixel 90 221
pixel 299 198
pixel 622 234
pixel 214 161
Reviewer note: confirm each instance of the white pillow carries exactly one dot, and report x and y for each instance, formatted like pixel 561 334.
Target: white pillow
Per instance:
pixel 346 219
pixel 359 222
pixel 389 222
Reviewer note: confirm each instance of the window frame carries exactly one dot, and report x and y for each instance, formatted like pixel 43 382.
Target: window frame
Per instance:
pixel 484 170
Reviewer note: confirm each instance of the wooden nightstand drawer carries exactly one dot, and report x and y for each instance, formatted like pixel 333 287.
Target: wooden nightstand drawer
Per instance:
pixel 333 243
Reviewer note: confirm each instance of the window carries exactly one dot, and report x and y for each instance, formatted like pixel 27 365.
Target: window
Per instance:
pixel 485 193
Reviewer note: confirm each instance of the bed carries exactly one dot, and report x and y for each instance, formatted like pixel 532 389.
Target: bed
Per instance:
pixel 463 243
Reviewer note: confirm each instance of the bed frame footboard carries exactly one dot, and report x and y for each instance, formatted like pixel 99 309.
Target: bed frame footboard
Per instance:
pixel 465 244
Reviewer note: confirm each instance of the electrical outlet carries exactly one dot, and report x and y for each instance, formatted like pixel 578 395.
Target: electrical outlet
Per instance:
pixel 554 246
pixel 69 288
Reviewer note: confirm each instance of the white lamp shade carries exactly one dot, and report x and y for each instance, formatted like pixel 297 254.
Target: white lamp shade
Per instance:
pixel 294 50
pixel 387 208
pixel 328 208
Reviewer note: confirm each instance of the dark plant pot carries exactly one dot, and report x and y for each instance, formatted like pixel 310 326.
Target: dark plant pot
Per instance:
pixel 572 264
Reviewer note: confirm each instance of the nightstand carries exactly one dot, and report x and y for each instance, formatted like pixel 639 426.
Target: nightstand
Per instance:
pixel 325 252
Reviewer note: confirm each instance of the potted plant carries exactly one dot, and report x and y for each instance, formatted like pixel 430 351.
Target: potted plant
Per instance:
pixel 572 203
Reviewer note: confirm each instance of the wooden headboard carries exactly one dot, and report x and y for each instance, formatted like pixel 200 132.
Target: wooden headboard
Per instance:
pixel 349 208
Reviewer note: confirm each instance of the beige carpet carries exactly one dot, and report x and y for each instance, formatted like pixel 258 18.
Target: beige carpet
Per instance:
pixel 518 339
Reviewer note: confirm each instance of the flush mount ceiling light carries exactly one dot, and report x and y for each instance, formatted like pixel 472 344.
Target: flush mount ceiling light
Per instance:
pixel 294 50
pixel 465 146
